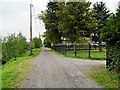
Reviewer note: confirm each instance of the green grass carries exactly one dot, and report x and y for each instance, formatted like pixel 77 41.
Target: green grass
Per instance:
pixel 13 72
pixel 83 54
pixel 95 54
pixel 105 78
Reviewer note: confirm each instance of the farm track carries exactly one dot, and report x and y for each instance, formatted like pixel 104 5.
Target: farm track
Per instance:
pixel 54 71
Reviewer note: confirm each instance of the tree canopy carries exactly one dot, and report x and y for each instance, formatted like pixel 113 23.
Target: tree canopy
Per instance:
pixel 70 20
pixel 111 34
pixel 50 20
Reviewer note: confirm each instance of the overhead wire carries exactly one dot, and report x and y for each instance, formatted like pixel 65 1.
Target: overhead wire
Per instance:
pixel 34 15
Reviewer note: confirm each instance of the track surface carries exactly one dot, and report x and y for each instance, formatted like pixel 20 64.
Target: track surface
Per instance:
pixel 54 71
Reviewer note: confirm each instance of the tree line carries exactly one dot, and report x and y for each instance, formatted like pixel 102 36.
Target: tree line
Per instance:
pixel 14 46
pixel 74 20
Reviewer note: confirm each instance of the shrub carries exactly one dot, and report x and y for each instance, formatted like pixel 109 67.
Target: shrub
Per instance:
pixel 37 42
pixel 111 34
pixel 13 46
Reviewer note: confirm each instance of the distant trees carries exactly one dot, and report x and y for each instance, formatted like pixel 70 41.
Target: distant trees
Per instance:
pixel 102 14
pixel 37 42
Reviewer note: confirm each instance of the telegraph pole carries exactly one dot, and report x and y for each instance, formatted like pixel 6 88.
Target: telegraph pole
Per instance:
pixel 31 29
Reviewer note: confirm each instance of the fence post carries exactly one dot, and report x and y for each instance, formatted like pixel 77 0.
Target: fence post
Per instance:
pixel 65 49
pixel 89 50
pixel 75 49
pixel 62 51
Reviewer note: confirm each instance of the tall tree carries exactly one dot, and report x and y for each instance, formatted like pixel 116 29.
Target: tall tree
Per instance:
pixel 75 20
pixel 50 20
pixel 102 14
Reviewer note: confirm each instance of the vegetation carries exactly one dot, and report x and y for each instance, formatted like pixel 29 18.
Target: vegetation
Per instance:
pixel 37 42
pixel 75 20
pixel 52 34
pixel 47 43
pixel 111 34
pixel 14 46
pixel 14 71
pixel 105 79
pixel 95 54
pixel 68 21
pixel 72 20
pixel 83 54
pixel 0 49
pixel 102 14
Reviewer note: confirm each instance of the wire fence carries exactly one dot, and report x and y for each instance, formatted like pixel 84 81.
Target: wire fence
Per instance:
pixel 82 51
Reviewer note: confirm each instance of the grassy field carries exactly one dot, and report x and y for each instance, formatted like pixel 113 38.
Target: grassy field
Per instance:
pixel 14 71
pixel 104 78
pixel 95 54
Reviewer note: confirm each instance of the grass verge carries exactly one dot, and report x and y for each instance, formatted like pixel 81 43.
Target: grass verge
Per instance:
pixel 105 78
pixel 13 72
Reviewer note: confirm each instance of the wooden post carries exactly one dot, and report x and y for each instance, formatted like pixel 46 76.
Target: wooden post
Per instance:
pixel 65 49
pixel 31 29
pixel 89 50
pixel 75 49
pixel 107 56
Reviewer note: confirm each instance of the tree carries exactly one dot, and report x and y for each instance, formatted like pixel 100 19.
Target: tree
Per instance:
pixel 111 34
pixel 22 44
pixel 47 43
pixel 51 21
pixel 37 42
pixel 75 19
pixel 102 14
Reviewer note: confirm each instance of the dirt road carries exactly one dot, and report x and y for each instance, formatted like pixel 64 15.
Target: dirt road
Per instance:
pixel 54 71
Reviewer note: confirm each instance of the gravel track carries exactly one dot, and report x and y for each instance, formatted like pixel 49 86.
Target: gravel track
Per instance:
pixel 55 71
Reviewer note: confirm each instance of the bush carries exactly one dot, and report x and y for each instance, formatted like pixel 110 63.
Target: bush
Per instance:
pixel 37 42
pixel 13 46
pixel 113 58
pixel 111 34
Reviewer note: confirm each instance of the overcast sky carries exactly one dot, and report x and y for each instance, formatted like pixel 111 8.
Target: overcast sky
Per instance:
pixel 14 15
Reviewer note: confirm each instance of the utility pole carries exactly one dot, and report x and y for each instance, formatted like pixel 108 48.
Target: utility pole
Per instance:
pixel 31 29
pixel 39 35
